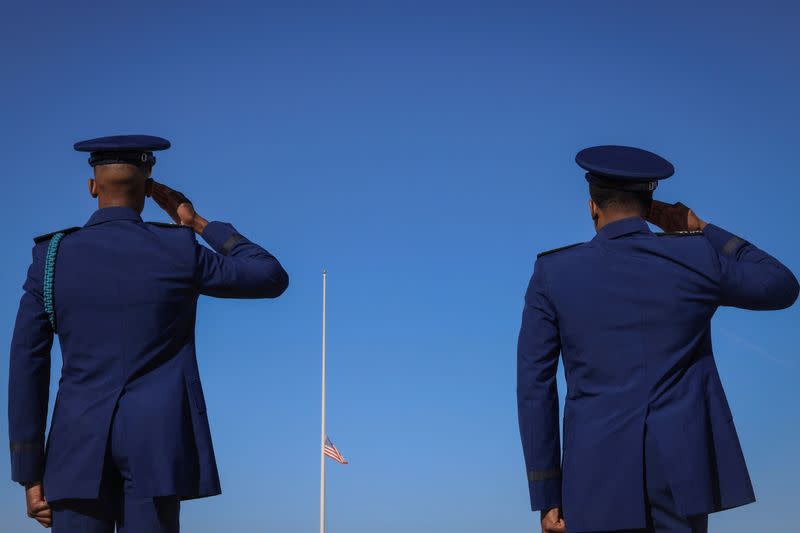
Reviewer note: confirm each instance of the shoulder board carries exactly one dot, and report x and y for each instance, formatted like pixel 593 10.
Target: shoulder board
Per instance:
pixel 679 233
pixel 48 236
pixel 168 225
pixel 548 252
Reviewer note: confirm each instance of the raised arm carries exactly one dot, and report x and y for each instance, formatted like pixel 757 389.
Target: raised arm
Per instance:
pixel 237 268
pixel 749 277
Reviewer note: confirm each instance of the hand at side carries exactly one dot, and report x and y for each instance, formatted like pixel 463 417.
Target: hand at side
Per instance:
pixel 38 508
pixel 553 522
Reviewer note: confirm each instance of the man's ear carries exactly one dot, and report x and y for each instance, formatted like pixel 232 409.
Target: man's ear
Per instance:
pixel 148 187
pixel 594 212
pixel 93 187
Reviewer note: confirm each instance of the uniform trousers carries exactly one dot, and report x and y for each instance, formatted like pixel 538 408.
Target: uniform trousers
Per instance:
pixel 117 506
pixel 662 513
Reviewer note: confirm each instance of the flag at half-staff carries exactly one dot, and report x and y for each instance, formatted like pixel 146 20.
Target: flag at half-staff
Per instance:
pixel 333 453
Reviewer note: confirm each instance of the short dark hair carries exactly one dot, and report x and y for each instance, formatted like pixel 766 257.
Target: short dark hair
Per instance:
pixel 617 200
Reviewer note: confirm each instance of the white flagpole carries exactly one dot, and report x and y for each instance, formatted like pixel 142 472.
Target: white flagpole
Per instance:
pixel 323 436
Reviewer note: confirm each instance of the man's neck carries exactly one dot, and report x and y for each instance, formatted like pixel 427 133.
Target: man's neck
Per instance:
pixel 102 203
pixel 608 218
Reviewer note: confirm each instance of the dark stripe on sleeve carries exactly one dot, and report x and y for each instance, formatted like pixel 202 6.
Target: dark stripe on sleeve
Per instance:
pixel 732 245
pixel 230 243
pixel 541 475
pixel 19 447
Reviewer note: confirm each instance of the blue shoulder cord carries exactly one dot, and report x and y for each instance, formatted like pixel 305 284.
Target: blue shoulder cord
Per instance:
pixel 49 275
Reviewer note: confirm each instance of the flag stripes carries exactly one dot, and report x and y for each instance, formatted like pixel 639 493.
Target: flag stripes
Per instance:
pixel 331 451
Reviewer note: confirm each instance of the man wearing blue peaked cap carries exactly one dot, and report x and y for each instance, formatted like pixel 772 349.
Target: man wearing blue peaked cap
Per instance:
pixel 129 437
pixel 649 440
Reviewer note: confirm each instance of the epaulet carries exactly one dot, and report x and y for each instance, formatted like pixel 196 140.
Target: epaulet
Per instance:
pixel 679 233
pixel 168 225
pixel 48 236
pixel 548 252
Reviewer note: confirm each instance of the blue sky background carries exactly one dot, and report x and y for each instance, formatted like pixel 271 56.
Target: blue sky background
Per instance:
pixel 423 153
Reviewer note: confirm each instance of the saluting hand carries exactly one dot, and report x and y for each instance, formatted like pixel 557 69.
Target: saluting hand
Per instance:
pixel 553 522
pixel 177 206
pixel 38 508
pixel 674 217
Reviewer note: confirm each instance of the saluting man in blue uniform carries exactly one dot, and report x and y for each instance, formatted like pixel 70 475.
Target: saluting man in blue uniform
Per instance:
pixel 129 437
pixel 649 440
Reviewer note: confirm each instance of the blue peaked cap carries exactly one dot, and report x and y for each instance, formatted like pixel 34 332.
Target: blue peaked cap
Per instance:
pixel 131 149
pixel 623 167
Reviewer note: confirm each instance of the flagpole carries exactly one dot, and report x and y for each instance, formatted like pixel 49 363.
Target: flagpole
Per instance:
pixel 323 435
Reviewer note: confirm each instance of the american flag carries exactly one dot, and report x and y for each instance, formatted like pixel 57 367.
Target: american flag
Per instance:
pixel 331 451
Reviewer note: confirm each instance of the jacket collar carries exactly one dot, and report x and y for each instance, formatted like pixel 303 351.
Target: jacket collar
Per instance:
pixel 108 214
pixel 626 226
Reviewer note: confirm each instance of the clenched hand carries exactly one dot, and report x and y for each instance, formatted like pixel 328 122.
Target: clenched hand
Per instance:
pixel 553 522
pixel 38 508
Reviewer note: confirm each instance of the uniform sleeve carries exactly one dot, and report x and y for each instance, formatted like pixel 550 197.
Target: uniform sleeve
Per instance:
pixel 750 278
pixel 537 394
pixel 29 378
pixel 237 268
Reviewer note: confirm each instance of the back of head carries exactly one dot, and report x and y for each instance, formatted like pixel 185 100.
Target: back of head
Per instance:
pixel 621 180
pixel 121 184
pixel 621 202
pixel 122 167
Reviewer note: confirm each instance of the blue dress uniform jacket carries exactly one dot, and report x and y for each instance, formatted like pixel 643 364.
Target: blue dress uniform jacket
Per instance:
pixel 630 313
pixel 125 302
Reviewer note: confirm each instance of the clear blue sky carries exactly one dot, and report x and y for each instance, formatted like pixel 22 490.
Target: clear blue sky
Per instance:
pixel 423 153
